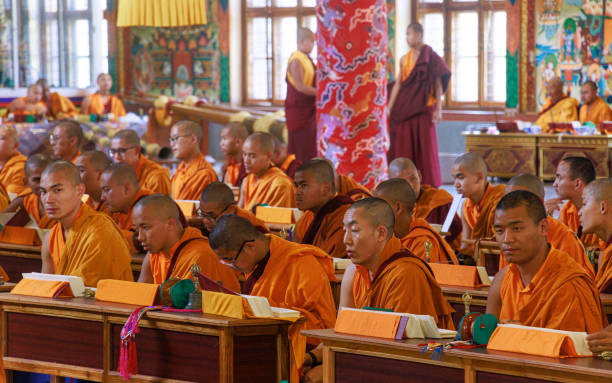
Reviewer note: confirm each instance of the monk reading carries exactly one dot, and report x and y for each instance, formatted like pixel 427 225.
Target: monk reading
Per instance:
pixel 217 200
pixel 288 274
pixel 593 108
pixel 232 139
pixel 30 104
pixel 572 176
pixel 171 248
pixel 286 162
pixel 265 184
pixel 66 140
pixel 91 165
pixel 84 242
pixel 542 286
pixel 300 111
pixel 58 106
pixel 125 148
pixel 103 102
pixel 470 174
pixel 12 161
pixel 432 204
pixel 120 192
pixel 321 223
pixel 558 106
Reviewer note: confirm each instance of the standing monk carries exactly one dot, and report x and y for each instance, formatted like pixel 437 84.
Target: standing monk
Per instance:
pixel 300 110
pixel 91 166
pixel 12 162
pixel 593 108
pixel 66 139
pixel 415 106
pixel 558 106
pixel 58 106
pixel 232 139
pixel 103 102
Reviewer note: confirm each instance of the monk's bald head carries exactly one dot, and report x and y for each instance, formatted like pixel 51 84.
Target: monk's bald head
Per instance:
pixel 472 163
pixel 121 174
pixel 65 168
pixel 397 190
pixel 97 159
pixel 36 163
pixel 525 181
pixel 218 193
pixel 158 223
pixel 237 130
pixel 263 141
pixel 128 137
pixel 600 190
pixel 320 170
pixel 375 211
pixel 533 204
pixel 470 174
pixel 580 167
pixel 305 33
pixel 189 127
pixel 554 88
pixel 160 206
pixel 258 151
pixel 71 129
pixel 231 231
pixel 403 167
pixel 9 133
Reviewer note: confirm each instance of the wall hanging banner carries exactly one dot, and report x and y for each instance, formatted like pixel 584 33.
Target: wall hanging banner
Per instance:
pixel 161 13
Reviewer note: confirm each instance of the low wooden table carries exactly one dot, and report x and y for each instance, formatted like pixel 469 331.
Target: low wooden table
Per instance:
pixel 348 358
pixel 17 259
pixel 80 338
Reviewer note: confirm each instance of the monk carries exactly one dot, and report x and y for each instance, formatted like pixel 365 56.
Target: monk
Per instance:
pixel 84 242
pixel 470 174
pixel 103 102
pixel 559 236
pixel 233 136
pixel 432 204
pixel 91 165
pixel 30 199
pixel 558 106
pixel 300 111
pixel 30 104
pixel 288 274
pixel 321 223
pixel 194 173
pixel 58 106
pixel 265 183
pixel 415 106
pixel 12 162
pixel 217 200
pixel 66 140
pixel 286 162
pixel 415 234
pixel 125 148
pixel 572 176
pixel 593 108
pixel 171 248
pixel 542 286
pixel 346 185
pixel 120 192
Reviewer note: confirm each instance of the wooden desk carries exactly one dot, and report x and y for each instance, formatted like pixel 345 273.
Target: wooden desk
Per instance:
pixel 348 358
pixel 17 259
pixel 80 338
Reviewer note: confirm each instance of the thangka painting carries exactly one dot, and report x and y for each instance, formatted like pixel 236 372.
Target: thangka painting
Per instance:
pixel 574 42
pixel 391 18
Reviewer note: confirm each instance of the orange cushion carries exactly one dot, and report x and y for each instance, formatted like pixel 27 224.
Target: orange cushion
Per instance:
pixel 41 288
pixel 131 293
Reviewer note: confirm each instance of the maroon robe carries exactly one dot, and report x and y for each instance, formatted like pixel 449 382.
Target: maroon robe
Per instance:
pixel 292 168
pixel 438 215
pixel 411 128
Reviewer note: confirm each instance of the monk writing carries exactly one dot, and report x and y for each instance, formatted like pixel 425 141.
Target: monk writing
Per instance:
pixel 232 139
pixel 286 162
pixel 84 242
pixel 91 165
pixel 30 104
pixel 593 108
pixel 557 108
pixel 542 286
pixel 12 162
pixel 66 139
pixel 103 102
pixel 125 148
pixel 58 106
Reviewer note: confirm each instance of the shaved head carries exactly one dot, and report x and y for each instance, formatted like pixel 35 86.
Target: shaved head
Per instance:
pixel 400 165
pixel 10 131
pixel 67 168
pixel 36 161
pixel 397 190
pixel 264 141
pixel 128 136
pixel 556 82
pixel 237 130
pixel 191 128
pixel 121 174
pixel 219 193
pixel 532 202
pixel 162 206
pixel 377 212
pixel 73 129
pixel 321 170
pixel 600 190
pixel 96 158
pixel 472 162
pixel 525 181
pixel 580 167
pixel 231 231
pixel 305 33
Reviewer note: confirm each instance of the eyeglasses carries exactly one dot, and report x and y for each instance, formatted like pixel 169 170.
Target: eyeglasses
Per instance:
pixel 120 151
pixel 176 138
pixel 54 138
pixel 211 217
pixel 233 260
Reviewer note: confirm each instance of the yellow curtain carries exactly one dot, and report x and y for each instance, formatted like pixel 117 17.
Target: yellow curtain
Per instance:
pixel 161 13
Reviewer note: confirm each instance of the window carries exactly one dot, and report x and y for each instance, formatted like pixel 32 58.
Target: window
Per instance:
pixel 471 36
pixel 64 41
pixel 271 37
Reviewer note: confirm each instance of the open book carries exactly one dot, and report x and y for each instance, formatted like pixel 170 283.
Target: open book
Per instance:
pixel 76 283
pixel 341 263
pixel 261 308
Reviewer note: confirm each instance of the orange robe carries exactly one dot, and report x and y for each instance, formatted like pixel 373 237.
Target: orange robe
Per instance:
pixel 297 277
pixel 597 113
pixel 197 250
pixel 4 198
pixel 328 230
pixel 258 223
pixel 189 180
pixel 234 172
pixel 100 206
pixel 560 296
pixel 421 233
pixel 25 101
pixel 604 274
pixel 562 238
pixel 153 176
pixel 124 220
pixel 31 203
pixel 480 218
pixel 290 165
pixel 96 106
pixel 564 110
pixel 13 174
pixel 60 106
pixel 348 186
pixel 94 249
pixel 273 188
pixel 402 284
pixel 429 199
pixel 569 217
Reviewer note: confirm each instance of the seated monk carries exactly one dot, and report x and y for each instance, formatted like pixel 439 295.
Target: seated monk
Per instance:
pixel 217 200
pixel 265 183
pixel 470 174
pixel 91 165
pixel 120 192
pixel 290 275
pixel 103 102
pixel 66 139
pixel 557 108
pixel 321 223
pixel 172 248
pixel 600 341
pixel 593 108
pixel 346 185
pixel 58 106
pixel 84 242
pixel 572 176
pixel 542 286
pixel 194 173
pixel 559 236
pixel 12 162
pixel 125 148
pixel 233 136
pixel 30 104
pixel 286 162
pixel 415 234
pixel 30 199
pixel 432 204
